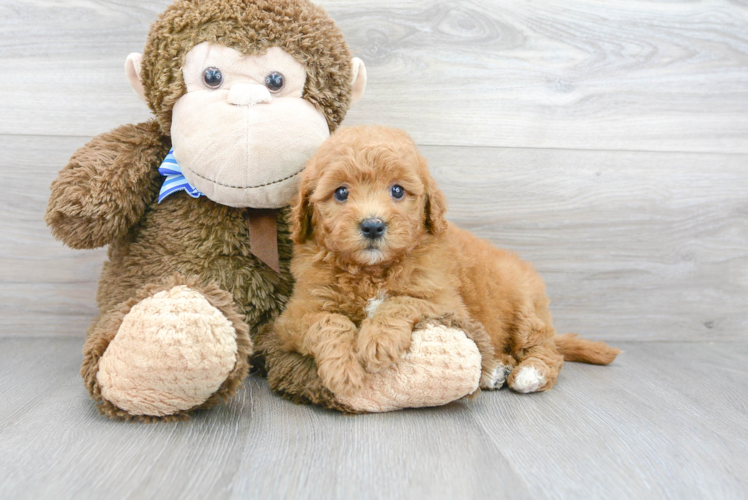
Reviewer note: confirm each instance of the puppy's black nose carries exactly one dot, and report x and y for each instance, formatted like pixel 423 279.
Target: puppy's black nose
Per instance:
pixel 373 228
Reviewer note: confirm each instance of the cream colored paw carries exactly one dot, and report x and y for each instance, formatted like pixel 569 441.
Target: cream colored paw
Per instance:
pixel 171 353
pixel 441 366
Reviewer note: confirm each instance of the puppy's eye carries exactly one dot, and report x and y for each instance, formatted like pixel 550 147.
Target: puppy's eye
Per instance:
pixel 212 77
pixel 397 192
pixel 275 82
pixel 341 194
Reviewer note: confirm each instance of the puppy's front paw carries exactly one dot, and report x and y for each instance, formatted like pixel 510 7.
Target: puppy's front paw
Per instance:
pixel 344 377
pixel 380 346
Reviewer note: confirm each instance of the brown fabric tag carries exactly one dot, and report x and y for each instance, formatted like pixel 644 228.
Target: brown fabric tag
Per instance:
pixel 263 235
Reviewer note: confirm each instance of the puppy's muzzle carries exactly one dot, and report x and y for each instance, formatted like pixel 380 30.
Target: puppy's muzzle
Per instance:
pixel 373 229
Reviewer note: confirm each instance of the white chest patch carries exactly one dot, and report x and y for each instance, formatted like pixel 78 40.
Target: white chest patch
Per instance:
pixel 373 303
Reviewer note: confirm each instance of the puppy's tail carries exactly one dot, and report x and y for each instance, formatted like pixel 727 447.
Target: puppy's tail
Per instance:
pixel 575 348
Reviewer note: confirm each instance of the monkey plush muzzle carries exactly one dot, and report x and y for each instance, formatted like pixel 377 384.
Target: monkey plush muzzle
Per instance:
pixel 256 161
pixel 243 132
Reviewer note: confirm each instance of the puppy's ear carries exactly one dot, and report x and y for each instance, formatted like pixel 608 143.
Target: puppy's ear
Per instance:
pixel 301 213
pixel 436 207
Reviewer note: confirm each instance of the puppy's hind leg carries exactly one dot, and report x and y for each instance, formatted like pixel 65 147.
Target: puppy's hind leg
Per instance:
pixel 539 362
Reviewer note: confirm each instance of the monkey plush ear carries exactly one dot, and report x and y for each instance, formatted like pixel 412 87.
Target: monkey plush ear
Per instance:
pixel 132 70
pixel 358 79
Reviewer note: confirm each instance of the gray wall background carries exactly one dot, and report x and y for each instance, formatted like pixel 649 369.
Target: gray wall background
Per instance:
pixel 606 142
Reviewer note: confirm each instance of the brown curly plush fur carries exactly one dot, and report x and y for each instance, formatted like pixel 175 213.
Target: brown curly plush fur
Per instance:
pixel 102 331
pixel 107 185
pixel 107 193
pixel 195 238
pixel 299 27
pixel 421 267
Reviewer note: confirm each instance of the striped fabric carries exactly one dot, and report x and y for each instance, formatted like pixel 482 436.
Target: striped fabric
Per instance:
pixel 175 180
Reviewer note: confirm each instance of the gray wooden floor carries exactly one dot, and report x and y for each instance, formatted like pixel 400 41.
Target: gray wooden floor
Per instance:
pixel 667 420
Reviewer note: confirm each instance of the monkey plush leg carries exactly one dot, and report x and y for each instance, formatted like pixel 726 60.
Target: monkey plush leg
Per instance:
pixel 173 348
pixel 293 375
pixel 445 362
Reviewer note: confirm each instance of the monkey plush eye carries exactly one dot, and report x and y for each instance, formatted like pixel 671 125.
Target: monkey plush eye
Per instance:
pixel 397 192
pixel 341 194
pixel 274 81
pixel 212 77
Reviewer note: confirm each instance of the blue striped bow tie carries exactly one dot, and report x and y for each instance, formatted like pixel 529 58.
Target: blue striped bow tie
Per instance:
pixel 175 179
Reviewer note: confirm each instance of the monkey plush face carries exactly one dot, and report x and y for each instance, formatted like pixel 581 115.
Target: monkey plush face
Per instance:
pixel 247 90
pixel 242 133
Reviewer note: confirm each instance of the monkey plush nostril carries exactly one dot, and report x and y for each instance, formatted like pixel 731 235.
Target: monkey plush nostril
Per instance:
pixel 373 228
pixel 248 94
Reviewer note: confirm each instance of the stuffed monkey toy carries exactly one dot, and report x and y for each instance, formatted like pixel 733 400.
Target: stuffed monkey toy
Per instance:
pixel 193 207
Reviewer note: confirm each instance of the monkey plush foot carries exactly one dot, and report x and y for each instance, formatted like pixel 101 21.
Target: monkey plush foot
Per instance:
pixel 173 351
pixel 445 362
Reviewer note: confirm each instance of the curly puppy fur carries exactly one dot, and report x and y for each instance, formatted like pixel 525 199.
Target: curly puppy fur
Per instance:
pixel 422 266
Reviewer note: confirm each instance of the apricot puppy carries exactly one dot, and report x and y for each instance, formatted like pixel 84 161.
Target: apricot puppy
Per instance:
pixel 374 255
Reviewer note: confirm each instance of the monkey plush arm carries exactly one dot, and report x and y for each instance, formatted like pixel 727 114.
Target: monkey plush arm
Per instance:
pixel 106 186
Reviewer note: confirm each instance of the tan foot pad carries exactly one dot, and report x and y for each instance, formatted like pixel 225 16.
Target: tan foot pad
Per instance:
pixel 442 365
pixel 171 353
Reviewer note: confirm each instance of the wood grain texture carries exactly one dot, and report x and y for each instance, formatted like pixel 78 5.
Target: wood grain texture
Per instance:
pixel 646 246
pixel 667 420
pixel 581 74
pixel 633 244
pixel 45 288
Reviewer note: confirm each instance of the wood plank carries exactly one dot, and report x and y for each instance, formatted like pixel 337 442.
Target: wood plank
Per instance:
pixel 581 74
pixel 646 246
pixel 129 459
pixel 45 288
pixel 667 420
pixel 649 246
pixel 236 448
pixel 431 453
pixel 33 369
